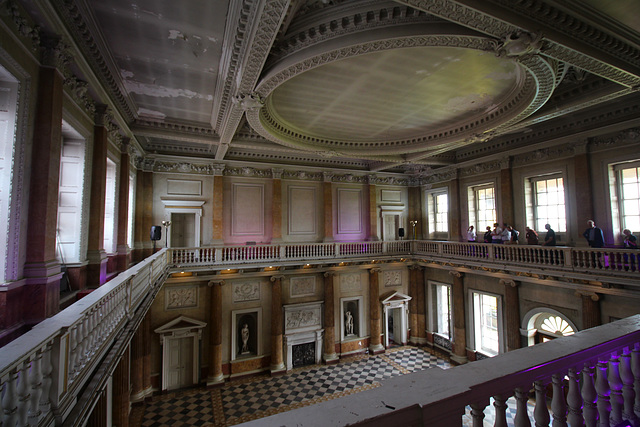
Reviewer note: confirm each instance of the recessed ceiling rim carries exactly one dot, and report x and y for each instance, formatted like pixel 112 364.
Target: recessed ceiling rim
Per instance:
pixel 263 123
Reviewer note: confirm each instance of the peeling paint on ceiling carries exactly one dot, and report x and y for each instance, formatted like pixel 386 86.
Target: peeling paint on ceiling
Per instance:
pixel 162 91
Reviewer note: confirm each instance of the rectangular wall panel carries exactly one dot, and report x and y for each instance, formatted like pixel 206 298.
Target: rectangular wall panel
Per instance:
pixel 391 195
pixel 184 187
pixel 302 210
pixel 247 210
pixel 349 211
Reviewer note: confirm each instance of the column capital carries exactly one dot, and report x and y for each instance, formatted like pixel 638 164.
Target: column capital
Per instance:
pixel 276 173
pixel 509 282
pixel 456 274
pixel 277 277
pixel 329 273
pixel 375 270
pixel 215 282
pixel 55 53
pixel 594 296
pixel 327 176
pixel 416 267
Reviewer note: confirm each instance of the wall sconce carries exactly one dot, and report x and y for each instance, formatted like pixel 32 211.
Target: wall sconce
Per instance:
pixel 166 224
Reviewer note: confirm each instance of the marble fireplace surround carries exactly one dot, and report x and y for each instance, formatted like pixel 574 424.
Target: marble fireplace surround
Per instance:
pixel 303 324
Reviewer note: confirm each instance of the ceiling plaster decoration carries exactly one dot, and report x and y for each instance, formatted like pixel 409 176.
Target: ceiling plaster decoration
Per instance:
pixel 25 26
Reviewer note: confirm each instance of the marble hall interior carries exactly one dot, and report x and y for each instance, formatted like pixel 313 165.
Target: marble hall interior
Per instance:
pixel 200 195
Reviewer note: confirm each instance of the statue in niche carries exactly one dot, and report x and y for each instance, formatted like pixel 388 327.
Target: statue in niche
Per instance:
pixel 348 324
pixel 245 339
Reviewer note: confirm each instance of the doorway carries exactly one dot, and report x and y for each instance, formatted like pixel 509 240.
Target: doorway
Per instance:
pixel 394 326
pixel 391 225
pixel 183 230
pixel 180 363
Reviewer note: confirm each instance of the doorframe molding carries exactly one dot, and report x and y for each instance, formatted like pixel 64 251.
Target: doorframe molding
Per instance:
pixel 172 206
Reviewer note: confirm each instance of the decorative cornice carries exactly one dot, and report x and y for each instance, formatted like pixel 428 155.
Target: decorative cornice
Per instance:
pixel 248 172
pixel 23 24
pixel 79 93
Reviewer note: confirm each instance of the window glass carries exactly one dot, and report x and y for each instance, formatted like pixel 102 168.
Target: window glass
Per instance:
pixel 485 308
pixel 441 301
pixel 549 203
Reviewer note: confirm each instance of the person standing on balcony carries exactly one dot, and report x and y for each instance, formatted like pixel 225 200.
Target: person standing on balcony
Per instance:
pixel 594 235
pixel 505 235
pixel 488 235
pixel 630 241
pixel 515 234
pixel 496 234
pixel 471 234
pixel 531 235
pixel 550 237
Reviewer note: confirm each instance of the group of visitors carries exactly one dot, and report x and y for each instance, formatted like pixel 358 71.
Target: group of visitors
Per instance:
pixel 505 234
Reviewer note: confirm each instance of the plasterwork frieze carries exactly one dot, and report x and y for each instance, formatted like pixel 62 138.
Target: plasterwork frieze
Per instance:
pixel 304 318
pixel 79 92
pixel 249 291
pixel 182 167
pixel 350 282
pixel 248 172
pixel 24 26
pixel 181 297
pixel 302 286
pixel 302 175
pixel 392 278
pixel 629 136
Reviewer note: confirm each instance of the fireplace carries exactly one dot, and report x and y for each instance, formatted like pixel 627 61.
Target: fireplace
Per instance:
pixel 303 334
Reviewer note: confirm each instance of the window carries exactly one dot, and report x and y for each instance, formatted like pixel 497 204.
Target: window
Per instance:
pixel 482 206
pixel 628 195
pixel 438 209
pixel 130 212
pixel 547 205
pixel 110 209
pixel 487 323
pixel 440 303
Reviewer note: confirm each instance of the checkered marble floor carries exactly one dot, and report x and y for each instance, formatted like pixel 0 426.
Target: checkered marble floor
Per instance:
pixel 257 397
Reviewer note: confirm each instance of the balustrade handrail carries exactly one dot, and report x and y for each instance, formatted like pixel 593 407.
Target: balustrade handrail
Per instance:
pixel 575 259
pixel 43 369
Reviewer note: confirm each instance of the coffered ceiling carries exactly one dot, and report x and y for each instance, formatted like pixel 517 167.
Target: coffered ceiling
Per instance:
pixel 364 85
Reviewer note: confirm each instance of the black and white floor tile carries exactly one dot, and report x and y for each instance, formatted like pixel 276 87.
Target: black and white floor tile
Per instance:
pixel 252 398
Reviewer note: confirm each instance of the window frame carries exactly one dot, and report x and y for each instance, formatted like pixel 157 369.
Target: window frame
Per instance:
pixel 474 206
pixel 476 332
pixel 532 205
pixel 433 308
pixel 618 202
pixel 431 197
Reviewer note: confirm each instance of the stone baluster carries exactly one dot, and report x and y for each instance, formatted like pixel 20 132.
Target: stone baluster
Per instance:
pixel 635 368
pixel 589 396
pixel 540 412
pixel 477 413
pixel 615 385
pixel 23 394
pixel 522 414
pixel 574 399
pixel 10 399
pixel 500 405
pixel 82 345
pixel 47 381
pixel 35 388
pixel 603 390
pixel 91 335
pixel 73 354
pixel 628 393
pixel 558 404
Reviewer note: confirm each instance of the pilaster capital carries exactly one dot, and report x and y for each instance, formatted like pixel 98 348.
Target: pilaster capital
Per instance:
pixel 456 274
pixel 375 270
pixel 125 145
pixel 327 176
pixel 277 277
pixel 276 173
pixel 214 282
pixel 416 267
pixel 588 294
pixel 509 282
pixel 505 162
pixel 103 115
pixel 329 273
pixel 55 53
pixel 581 147
pixel 217 168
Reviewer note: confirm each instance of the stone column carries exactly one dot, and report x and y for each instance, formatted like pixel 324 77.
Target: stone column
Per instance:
pixel 277 362
pixel 459 355
pixel 41 268
pixel 120 409
pixel 123 258
pixel 584 195
pixel 143 210
pixel 218 191
pixel 375 344
pixel 327 195
pixel 329 343
pixel 413 305
pixel 421 305
pixel 415 210
pixel 276 206
pixel 512 312
pixel 97 267
pixel 137 365
pixel 454 211
pixel 146 359
pixel 373 210
pixel 215 334
pixel 590 309
pixel 506 195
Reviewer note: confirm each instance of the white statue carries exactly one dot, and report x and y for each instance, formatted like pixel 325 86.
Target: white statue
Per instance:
pixel 349 323
pixel 245 339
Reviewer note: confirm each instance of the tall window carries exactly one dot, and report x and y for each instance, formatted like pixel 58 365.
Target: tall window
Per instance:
pixel 486 316
pixel 130 212
pixel 482 206
pixel 628 178
pixel 547 197
pixel 438 209
pixel 110 209
pixel 8 104
pixel 440 302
